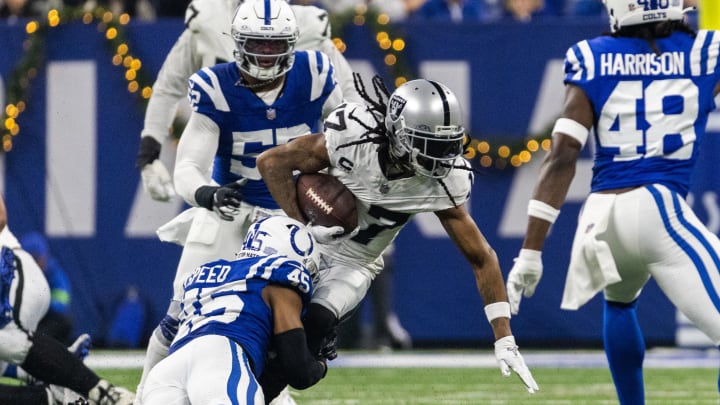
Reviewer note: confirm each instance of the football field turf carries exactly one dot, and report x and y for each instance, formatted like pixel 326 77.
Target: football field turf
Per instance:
pixel 407 382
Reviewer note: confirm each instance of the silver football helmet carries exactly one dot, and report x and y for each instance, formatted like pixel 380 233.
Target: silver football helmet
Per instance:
pixel 623 13
pixel 280 235
pixel 425 127
pixel 265 33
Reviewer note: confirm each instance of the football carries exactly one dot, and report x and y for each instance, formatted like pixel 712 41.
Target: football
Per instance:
pixel 324 200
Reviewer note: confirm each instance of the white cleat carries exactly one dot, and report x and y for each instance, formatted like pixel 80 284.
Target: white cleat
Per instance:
pixel 81 346
pixel 105 393
pixel 284 398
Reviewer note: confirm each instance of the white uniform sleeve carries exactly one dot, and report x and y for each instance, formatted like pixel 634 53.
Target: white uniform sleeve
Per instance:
pixel 195 155
pixel 315 34
pixel 334 99
pixel 170 87
pixel 343 73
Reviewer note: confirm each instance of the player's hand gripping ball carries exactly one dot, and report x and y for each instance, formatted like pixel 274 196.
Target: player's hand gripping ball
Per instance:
pixel 325 201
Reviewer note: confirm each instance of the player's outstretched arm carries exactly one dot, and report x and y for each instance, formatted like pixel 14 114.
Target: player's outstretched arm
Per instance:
pixel 482 258
pixel 556 174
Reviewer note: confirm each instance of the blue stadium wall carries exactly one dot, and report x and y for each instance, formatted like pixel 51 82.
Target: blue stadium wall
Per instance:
pixel 71 174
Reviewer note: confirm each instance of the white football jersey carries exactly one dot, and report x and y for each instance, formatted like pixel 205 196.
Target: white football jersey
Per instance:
pixel 8 239
pixel 384 206
pixel 206 41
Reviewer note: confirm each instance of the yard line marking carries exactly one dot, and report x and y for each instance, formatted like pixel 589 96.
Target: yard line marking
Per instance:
pixel 654 358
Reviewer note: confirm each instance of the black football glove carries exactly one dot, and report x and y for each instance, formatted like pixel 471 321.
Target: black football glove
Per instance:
pixel 225 200
pixel 328 349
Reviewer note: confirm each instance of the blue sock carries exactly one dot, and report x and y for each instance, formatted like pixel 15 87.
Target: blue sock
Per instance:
pixel 625 351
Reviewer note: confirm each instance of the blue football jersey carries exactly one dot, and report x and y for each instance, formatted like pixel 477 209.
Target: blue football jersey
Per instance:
pixel 249 126
pixel 650 110
pixel 225 298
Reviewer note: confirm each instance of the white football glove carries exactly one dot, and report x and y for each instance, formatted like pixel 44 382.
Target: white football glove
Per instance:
pixel 509 358
pixel 157 181
pixel 524 277
pixel 329 235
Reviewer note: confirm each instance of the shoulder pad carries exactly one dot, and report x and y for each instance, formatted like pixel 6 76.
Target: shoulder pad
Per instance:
pixel 320 68
pixel 579 63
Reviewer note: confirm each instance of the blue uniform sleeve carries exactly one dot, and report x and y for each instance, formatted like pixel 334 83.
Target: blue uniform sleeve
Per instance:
pixel 206 93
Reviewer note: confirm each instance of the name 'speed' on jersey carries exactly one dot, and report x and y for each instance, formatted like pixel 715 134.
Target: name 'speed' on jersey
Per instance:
pixel 651 110
pixel 225 298
pixel 384 206
pixel 249 126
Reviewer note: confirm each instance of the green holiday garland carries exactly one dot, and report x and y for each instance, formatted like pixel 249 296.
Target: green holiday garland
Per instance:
pixel 33 60
pixel 498 152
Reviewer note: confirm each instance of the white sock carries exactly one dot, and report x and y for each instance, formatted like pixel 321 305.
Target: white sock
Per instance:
pixel 157 350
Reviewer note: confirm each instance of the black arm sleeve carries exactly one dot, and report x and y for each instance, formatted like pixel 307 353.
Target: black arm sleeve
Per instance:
pixel 149 150
pixel 300 367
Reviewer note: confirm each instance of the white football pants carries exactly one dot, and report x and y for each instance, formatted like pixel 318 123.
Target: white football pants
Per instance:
pixel 30 283
pixel 208 370
pixel 653 232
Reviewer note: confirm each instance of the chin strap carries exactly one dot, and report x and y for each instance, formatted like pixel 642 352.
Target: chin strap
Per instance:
pixel 243 83
pixel 393 167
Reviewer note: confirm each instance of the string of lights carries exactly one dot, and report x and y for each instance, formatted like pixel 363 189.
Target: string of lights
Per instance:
pixel 486 152
pixel 111 26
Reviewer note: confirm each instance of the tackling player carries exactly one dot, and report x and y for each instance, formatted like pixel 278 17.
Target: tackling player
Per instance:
pixel 647 89
pixel 398 159
pixel 269 95
pixel 231 311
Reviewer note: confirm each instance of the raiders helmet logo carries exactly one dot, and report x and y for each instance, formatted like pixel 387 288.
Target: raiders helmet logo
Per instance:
pixel 395 107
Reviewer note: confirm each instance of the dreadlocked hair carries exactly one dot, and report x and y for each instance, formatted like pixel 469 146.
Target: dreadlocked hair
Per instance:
pixel 377 133
pixel 652 31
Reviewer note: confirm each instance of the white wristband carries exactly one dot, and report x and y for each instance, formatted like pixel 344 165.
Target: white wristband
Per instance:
pixel 542 210
pixel 573 129
pixel 497 310
pixel 530 254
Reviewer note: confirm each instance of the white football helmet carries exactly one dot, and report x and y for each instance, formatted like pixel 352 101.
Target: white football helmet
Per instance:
pixel 425 127
pixel 623 13
pixel 280 235
pixel 265 33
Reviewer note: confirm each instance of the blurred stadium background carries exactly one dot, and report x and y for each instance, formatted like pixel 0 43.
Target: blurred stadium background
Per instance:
pixel 81 82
